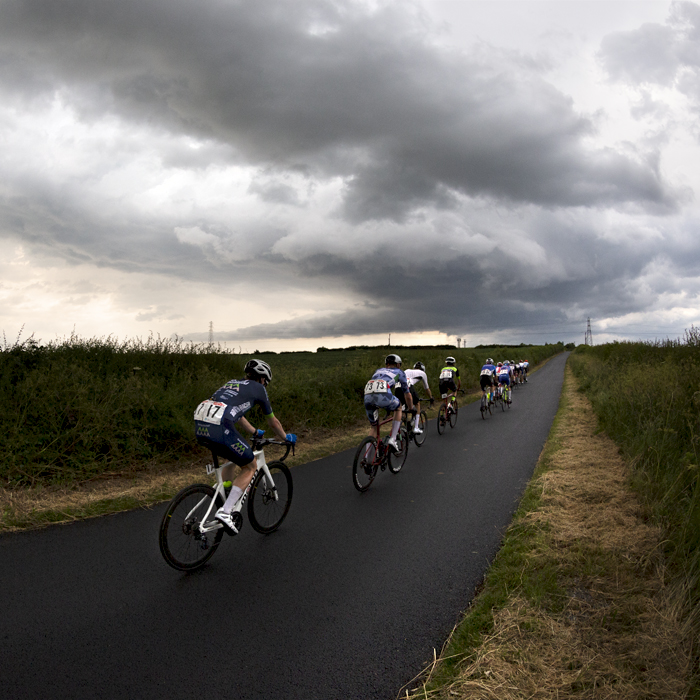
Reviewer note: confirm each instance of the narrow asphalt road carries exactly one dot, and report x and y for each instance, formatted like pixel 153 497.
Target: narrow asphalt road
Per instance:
pixel 347 600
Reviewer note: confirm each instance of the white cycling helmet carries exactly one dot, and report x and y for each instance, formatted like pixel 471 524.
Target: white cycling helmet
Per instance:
pixel 259 369
pixel 392 360
pixel 450 361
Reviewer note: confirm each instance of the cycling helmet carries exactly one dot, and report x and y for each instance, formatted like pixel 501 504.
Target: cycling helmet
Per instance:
pixel 392 360
pixel 419 365
pixel 258 369
pixel 489 361
pixel 500 364
pixel 450 361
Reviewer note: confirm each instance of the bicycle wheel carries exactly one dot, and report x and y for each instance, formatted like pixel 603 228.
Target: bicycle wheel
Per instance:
pixel 398 459
pixel 441 420
pixel 453 414
pixel 419 438
pixel 365 465
pixel 182 544
pixel 483 408
pixel 266 512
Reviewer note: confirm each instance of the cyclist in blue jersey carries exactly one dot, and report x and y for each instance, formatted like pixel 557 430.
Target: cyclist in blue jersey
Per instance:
pixel 218 419
pixel 379 394
pixel 487 378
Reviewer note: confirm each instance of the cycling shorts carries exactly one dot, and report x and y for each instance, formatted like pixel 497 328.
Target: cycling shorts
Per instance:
pixel 447 386
pixel 486 381
pixel 224 442
pixel 414 396
pixel 373 402
pixel 504 379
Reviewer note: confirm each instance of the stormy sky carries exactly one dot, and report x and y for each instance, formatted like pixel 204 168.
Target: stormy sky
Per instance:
pixel 304 172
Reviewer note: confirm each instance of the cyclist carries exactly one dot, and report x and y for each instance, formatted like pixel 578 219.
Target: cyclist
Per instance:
pixel 525 365
pixel 413 376
pixel 488 378
pixel 504 376
pixel 217 422
pixel 378 394
pixel 447 386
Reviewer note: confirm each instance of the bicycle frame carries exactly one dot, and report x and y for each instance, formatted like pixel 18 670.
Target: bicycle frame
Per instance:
pixel 208 525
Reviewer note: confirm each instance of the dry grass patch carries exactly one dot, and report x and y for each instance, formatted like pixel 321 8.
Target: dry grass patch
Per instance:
pixel 610 627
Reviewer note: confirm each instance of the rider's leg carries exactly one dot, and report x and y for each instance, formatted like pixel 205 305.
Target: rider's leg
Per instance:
pixel 240 483
pixel 416 424
pixel 396 424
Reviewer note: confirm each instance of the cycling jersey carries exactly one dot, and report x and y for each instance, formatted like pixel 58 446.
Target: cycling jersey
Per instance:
pixel 446 381
pixel 216 417
pixel 487 376
pixel 378 391
pixel 413 376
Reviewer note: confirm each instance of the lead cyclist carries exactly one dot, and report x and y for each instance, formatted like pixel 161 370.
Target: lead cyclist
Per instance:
pixel 216 425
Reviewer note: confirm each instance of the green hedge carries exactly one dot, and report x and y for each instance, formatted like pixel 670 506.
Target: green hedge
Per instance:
pixel 75 409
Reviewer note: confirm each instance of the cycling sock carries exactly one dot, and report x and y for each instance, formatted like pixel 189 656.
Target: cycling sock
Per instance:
pixel 232 499
pixel 417 423
pixel 395 429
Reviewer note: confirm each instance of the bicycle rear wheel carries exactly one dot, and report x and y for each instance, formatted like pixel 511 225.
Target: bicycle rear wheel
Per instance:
pixel 453 414
pixel 266 512
pixel 398 459
pixel 419 438
pixel 182 543
pixel 365 465
pixel 441 420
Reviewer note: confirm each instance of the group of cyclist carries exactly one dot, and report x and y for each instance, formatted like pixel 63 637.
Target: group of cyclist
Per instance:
pixel 219 419
pixel 503 374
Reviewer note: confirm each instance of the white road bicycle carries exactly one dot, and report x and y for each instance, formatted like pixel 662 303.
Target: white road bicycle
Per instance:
pixel 189 535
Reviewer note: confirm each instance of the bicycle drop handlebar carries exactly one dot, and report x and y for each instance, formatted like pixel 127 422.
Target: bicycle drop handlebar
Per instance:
pixel 259 443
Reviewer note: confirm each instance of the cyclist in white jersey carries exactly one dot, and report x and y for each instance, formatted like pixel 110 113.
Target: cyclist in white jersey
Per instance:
pixel 413 376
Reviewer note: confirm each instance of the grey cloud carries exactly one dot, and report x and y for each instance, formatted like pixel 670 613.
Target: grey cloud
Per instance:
pixel 665 55
pixel 332 87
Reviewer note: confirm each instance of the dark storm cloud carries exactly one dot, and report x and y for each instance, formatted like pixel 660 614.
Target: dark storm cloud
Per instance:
pixel 329 86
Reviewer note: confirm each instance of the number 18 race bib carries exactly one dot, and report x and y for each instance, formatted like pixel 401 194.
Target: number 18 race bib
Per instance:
pixel 210 412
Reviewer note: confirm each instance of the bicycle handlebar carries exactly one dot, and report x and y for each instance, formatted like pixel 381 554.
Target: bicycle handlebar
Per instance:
pixel 259 443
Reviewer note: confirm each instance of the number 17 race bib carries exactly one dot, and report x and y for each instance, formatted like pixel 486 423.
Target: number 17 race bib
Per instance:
pixel 210 412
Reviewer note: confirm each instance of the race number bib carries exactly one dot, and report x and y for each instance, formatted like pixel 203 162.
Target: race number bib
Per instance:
pixel 446 374
pixel 210 412
pixel 486 372
pixel 377 386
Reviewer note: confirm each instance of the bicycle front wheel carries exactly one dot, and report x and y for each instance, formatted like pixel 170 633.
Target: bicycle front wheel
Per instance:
pixel 398 459
pixel 365 466
pixel 441 420
pixel 453 414
pixel 268 502
pixel 419 438
pixel 182 543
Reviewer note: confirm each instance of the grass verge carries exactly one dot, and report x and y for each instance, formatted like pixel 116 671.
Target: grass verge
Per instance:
pixel 576 602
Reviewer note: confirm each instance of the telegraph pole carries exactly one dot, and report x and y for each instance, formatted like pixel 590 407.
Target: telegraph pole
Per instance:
pixel 589 334
pixel 211 333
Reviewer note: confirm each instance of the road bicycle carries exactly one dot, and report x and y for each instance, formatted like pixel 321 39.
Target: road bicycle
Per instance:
pixel 189 535
pixel 498 397
pixel 374 454
pixel 485 403
pixel 506 399
pixel 409 419
pixel 447 413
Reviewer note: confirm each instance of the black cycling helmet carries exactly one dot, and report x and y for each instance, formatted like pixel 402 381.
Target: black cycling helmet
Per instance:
pixel 450 361
pixel 489 361
pixel 392 360
pixel 258 369
pixel 419 365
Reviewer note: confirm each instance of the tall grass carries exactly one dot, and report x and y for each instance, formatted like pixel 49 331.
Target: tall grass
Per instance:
pixel 647 398
pixel 75 409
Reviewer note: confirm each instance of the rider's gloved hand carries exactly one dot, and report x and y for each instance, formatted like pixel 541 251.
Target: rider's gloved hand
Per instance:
pixel 259 433
pixel 432 400
pixel 291 437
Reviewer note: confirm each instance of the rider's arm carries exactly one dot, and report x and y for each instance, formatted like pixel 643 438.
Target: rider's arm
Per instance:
pixel 276 426
pixel 243 422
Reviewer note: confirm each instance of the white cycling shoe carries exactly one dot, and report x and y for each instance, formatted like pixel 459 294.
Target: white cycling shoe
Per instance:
pixel 226 520
pixel 417 431
pixel 392 443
